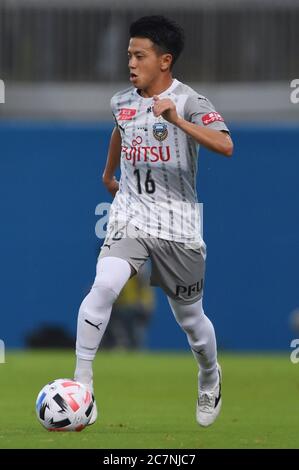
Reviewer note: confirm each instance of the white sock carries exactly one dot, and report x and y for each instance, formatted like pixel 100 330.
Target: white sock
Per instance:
pixel 83 372
pixel 201 337
pixel 94 313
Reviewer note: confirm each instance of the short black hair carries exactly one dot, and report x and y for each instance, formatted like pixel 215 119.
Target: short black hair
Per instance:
pixel 167 35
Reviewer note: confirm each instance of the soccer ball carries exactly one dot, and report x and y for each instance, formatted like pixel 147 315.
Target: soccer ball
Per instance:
pixel 64 405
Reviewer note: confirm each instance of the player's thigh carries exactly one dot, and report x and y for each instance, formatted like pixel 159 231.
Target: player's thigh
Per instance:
pixel 131 249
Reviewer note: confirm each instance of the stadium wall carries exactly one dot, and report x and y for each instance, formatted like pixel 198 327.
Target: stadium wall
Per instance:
pixel 50 185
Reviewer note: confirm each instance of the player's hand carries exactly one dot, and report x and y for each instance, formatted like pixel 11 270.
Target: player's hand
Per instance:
pixel 112 185
pixel 166 108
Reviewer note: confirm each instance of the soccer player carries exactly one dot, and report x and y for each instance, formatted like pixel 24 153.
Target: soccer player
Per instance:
pixel 159 125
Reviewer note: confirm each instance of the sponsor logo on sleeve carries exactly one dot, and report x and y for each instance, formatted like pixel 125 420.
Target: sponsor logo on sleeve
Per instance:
pixel 126 114
pixel 211 117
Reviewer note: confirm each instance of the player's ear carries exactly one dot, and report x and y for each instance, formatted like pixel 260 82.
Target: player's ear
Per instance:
pixel 166 60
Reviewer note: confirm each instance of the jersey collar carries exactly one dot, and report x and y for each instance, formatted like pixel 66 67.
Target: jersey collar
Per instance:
pixel 175 82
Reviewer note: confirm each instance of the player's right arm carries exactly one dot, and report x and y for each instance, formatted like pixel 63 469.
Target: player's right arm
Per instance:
pixel 112 163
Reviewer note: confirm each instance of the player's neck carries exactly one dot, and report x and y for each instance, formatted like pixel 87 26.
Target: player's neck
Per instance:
pixel 156 88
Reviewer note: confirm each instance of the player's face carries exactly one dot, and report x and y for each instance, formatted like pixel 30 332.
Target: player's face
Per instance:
pixel 145 64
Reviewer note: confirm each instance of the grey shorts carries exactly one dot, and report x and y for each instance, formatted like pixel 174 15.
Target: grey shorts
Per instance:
pixel 178 270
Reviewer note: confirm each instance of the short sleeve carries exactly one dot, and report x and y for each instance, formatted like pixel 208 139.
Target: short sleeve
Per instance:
pixel 113 110
pixel 199 110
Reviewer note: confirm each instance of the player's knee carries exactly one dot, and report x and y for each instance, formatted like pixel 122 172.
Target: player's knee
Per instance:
pixel 188 316
pixel 190 326
pixel 104 292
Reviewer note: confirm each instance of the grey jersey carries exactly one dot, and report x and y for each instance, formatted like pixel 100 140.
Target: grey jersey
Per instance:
pixel 157 190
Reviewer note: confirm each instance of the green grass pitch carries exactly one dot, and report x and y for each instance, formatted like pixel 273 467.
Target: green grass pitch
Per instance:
pixel 148 401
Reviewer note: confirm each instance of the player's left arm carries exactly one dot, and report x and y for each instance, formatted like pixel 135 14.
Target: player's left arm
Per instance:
pixel 216 140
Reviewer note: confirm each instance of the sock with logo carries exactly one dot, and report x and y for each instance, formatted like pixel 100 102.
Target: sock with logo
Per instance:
pixel 201 337
pixel 95 310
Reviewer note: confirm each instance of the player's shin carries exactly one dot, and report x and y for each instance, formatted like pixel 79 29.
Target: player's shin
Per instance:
pixel 93 318
pixel 95 311
pixel 201 338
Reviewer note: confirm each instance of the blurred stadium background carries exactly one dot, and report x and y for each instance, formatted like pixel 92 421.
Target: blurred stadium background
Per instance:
pixel 61 61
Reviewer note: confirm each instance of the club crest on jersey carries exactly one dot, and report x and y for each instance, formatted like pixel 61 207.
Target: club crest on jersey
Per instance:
pixel 160 131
